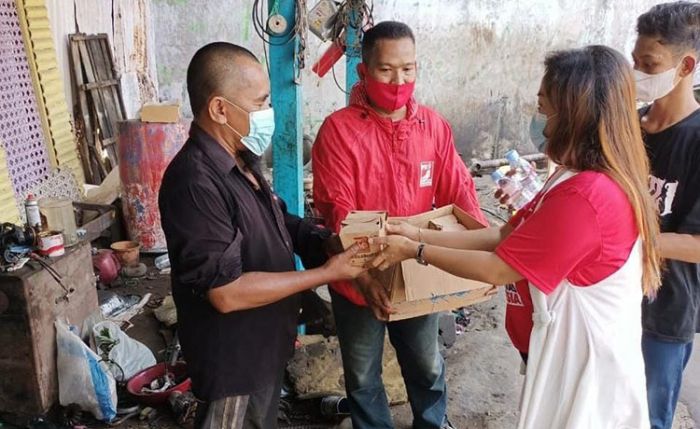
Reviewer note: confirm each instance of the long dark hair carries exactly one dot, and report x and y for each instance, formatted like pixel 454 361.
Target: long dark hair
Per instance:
pixel 597 128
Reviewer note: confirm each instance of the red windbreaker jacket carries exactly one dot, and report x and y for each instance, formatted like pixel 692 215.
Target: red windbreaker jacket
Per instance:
pixel 362 161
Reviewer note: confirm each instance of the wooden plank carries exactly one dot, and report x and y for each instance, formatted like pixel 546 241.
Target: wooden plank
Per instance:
pixel 98 156
pixel 101 84
pixel 82 36
pixel 114 93
pixel 117 90
pixel 112 97
pixel 109 141
pixel 86 141
pixel 89 67
pixel 100 67
pixel 101 223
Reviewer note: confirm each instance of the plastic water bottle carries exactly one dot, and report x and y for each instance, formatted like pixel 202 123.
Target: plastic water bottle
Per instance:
pixel 511 187
pixel 162 262
pixel 525 174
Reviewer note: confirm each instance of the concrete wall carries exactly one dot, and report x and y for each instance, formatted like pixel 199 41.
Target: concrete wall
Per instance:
pixel 480 60
pixel 128 25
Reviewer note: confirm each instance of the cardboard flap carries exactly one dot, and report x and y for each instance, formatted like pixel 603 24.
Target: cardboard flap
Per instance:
pixel 423 220
pixel 426 282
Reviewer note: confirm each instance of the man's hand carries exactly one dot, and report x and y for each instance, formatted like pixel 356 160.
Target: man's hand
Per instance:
pixel 340 266
pixel 376 296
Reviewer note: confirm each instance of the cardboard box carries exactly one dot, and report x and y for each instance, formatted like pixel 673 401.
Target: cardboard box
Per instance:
pixel 357 228
pixel 168 112
pixel 417 289
pixel 446 223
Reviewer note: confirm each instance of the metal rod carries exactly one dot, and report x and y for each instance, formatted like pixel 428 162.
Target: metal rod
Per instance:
pixel 488 164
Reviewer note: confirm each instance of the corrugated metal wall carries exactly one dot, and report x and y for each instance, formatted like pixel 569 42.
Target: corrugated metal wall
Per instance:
pixel 48 80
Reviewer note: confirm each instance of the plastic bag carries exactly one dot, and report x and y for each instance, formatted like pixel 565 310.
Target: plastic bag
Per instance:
pixel 129 355
pixel 82 378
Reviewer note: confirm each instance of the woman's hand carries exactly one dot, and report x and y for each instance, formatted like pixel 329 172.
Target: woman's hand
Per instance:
pixel 395 248
pixel 405 229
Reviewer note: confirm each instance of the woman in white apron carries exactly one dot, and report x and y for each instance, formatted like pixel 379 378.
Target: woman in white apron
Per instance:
pixel 583 251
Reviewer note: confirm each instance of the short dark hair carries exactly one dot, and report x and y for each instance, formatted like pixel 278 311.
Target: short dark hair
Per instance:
pixel 677 24
pixel 211 67
pixel 392 30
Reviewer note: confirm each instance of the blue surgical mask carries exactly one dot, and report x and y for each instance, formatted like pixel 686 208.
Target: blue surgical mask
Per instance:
pixel 537 124
pixel 261 125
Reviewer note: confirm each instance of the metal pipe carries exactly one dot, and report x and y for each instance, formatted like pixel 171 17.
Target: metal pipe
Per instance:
pixel 479 166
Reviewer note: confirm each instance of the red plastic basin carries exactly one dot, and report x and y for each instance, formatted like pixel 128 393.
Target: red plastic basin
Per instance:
pixel 145 377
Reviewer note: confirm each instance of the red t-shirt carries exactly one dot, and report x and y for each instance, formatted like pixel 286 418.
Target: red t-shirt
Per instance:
pixel 583 232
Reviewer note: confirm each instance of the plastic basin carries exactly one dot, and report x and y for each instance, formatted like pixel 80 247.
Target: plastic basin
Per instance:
pixel 145 377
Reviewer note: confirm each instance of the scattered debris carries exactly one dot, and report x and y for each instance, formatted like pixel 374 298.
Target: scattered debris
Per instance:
pixel 136 271
pixel 162 262
pixel 123 353
pixel 162 383
pixel 335 406
pixel 167 313
pixel 183 406
pixel 447 330
pixel 119 308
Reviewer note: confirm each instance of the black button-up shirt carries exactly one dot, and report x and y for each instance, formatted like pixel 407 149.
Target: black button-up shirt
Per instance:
pixel 219 226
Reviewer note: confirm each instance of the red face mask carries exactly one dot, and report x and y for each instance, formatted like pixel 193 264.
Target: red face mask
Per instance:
pixel 387 96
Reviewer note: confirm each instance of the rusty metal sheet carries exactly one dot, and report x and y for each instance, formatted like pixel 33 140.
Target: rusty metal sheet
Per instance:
pixel 28 378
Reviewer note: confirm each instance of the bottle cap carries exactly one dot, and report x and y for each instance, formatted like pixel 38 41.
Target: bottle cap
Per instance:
pixel 497 176
pixel 512 156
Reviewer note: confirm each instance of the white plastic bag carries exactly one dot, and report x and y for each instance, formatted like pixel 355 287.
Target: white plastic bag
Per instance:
pixel 129 355
pixel 82 378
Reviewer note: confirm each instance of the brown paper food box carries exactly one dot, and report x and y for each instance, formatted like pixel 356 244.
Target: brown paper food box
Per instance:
pixel 167 112
pixel 357 228
pixel 446 223
pixel 417 290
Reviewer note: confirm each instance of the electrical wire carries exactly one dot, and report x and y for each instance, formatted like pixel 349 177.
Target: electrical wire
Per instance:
pixel 298 32
pixel 351 13
pixel 335 79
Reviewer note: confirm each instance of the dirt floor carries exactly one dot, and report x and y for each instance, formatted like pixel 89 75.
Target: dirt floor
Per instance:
pixel 483 369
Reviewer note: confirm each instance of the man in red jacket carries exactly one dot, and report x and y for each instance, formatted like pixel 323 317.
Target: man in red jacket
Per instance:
pixel 387 152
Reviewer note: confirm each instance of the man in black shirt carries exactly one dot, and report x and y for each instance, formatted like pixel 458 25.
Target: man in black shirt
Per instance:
pixel 665 59
pixel 232 244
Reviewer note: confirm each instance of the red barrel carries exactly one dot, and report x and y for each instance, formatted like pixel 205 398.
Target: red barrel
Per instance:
pixel 145 150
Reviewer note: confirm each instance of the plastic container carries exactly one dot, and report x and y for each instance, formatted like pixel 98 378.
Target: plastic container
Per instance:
pixel 145 377
pixel 511 187
pixel 58 215
pixel 162 262
pixel 127 252
pixel 525 174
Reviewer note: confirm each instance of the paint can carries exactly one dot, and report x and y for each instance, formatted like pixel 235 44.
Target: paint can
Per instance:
pixel 51 244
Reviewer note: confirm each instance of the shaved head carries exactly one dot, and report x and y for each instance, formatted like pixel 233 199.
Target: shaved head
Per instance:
pixel 215 69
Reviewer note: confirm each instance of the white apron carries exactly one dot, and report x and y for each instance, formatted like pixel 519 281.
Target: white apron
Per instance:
pixel 585 368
